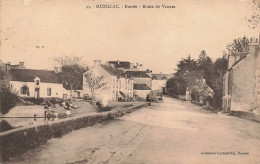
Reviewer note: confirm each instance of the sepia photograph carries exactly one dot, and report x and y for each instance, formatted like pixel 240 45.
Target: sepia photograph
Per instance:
pixel 130 81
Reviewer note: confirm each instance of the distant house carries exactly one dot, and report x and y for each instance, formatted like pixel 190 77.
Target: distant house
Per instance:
pixel 159 81
pixel 119 64
pixel 241 83
pixel 141 91
pixel 142 82
pixel 118 85
pixel 36 83
pixel 32 83
pixel 125 65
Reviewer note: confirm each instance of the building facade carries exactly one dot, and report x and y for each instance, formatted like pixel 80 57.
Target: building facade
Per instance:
pixel 159 81
pixel 241 84
pixel 37 84
pixel 117 84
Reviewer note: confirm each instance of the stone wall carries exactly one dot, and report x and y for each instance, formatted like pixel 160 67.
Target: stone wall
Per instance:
pixel 244 84
pixel 18 141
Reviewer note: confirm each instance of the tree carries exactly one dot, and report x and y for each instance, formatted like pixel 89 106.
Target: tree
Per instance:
pixel 186 65
pixel 220 67
pixel 94 83
pixel 255 17
pixel 239 45
pixel 178 84
pixel 205 65
pixel 71 72
pixel 7 98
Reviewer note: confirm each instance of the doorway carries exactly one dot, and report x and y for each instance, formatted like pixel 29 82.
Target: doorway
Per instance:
pixel 37 93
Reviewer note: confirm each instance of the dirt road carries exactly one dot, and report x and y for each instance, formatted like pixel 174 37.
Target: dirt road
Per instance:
pixel 171 132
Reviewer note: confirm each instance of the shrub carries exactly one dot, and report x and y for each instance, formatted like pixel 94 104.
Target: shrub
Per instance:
pixel 5 126
pixel 34 100
pixel 7 99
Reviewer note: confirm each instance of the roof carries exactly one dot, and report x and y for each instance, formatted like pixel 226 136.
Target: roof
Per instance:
pixel 112 71
pixel 161 76
pixel 138 74
pixel 141 87
pixel 120 64
pixel 28 75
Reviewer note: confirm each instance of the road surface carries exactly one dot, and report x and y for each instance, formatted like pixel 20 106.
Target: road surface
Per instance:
pixel 173 132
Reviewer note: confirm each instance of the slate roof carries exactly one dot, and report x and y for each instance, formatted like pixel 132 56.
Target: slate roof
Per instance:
pixel 28 75
pixel 113 71
pixel 141 87
pixel 136 74
pixel 161 76
pixel 120 64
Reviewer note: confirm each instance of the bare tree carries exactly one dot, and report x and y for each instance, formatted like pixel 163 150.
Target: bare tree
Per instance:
pixel 255 17
pixel 95 83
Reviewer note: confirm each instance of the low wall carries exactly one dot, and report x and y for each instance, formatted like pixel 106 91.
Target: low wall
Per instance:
pixel 182 97
pixel 18 141
pixel 246 115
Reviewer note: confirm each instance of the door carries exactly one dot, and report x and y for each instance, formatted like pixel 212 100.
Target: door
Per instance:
pixel 37 93
pixel 65 97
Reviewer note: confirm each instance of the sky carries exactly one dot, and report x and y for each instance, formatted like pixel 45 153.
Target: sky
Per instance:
pixel 36 31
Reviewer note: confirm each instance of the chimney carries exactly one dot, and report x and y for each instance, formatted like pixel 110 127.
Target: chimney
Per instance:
pixel 131 65
pixel 8 66
pixel 97 62
pixel 56 69
pixel 21 64
pixel 118 62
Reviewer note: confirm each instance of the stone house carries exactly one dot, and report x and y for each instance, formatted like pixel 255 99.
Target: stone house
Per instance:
pixel 37 84
pixel 118 85
pixel 142 82
pixel 241 83
pixel 32 83
pixel 159 81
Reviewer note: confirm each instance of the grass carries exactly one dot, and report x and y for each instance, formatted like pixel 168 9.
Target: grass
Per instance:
pixel 83 108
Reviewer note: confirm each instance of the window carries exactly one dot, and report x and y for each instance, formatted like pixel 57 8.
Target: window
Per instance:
pixel 48 91
pixel 119 84
pixel 37 82
pixel 24 90
pixel 114 83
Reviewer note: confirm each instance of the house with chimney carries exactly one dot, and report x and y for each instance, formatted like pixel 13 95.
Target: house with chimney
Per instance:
pixel 117 83
pixel 241 83
pixel 33 83
pixel 141 77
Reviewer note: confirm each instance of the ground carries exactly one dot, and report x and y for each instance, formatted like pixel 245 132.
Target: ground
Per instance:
pixel 174 131
pixel 29 111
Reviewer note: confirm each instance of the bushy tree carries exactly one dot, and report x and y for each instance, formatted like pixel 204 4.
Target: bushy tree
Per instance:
pixel 71 71
pixel 185 66
pixel 239 45
pixel 205 65
pixel 220 67
pixel 189 73
pixel 8 99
